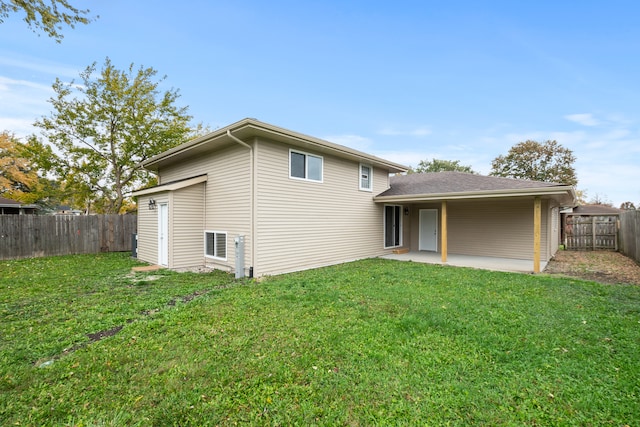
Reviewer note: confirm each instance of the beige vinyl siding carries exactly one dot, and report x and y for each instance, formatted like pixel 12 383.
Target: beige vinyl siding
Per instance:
pixel 226 199
pixel 499 228
pixel 228 202
pixel 186 245
pixel 148 227
pixel 304 224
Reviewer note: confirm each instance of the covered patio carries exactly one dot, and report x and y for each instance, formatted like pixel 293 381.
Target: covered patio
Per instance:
pixel 471 261
pixel 470 220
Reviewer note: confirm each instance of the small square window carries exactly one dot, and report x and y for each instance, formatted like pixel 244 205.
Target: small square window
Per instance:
pixel 366 180
pixel 215 244
pixel 305 166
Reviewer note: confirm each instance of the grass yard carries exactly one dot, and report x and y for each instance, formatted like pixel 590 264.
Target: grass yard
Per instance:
pixel 83 342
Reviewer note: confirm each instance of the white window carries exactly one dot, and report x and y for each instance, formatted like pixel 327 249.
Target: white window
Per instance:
pixel 366 178
pixel 305 166
pixel 215 244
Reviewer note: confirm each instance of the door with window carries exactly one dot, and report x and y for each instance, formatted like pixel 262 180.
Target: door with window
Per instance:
pixel 163 234
pixel 428 240
pixel 392 226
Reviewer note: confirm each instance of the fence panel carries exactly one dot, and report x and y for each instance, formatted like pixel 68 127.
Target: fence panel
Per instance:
pixel 630 234
pixel 592 232
pixel 25 236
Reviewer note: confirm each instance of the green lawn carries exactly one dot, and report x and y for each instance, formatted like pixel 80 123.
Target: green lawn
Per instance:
pixel 374 342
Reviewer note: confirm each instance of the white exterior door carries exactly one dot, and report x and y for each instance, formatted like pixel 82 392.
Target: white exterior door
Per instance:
pixel 428 240
pixel 163 234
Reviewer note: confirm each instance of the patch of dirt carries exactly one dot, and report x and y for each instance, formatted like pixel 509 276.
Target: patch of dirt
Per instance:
pixel 104 334
pixel 598 266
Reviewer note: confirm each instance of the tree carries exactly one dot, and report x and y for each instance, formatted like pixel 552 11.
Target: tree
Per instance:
pixel 45 17
pixel 581 196
pixel 547 162
pixel 17 177
pixel 103 128
pixel 601 200
pixel 436 165
pixel 628 206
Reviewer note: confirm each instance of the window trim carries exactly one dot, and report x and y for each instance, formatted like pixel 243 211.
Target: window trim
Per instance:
pixel 370 188
pixel 306 166
pixel 215 234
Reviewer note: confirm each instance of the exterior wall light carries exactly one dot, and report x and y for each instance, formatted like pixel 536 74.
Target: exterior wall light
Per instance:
pixel 152 204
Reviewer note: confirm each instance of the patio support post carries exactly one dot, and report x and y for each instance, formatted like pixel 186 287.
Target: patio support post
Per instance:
pixel 537 216
pixel 443 244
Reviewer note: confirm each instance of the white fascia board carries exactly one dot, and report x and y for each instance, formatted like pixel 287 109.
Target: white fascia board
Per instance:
pixel 543 191
pixel 171 187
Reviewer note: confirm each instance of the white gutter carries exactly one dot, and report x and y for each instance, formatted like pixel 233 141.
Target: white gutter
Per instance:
pixel 560 190
pixel 251 191
pixel 239 141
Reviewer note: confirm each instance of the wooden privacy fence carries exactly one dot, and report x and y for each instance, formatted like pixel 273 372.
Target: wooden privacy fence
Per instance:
pixel 630 234
pixel 591 232
pixel 26 236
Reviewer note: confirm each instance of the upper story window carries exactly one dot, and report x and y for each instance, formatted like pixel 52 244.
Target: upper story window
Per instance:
pixel 366 178
pixel 305 166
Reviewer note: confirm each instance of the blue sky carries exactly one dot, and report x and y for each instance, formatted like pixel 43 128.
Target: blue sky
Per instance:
pixel 404 80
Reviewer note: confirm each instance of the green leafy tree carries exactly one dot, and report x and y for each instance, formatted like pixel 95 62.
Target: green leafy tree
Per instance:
pixel 437 165
pixel 17 176
pixel 532 160
pixel 47 16
pixel 103 128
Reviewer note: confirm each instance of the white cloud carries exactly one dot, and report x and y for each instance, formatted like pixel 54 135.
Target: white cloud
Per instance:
pixel 356 142
pixel 20 127
pixel 407 158
pixel 416 132
pixel 23 101
pixel 6 84
pixel 585 119
pixel 39 66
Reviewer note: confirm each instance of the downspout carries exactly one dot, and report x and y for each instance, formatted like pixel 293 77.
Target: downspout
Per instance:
pixel 251 202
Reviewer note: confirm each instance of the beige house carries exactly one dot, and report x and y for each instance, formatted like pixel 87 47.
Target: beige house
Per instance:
pixel 256 199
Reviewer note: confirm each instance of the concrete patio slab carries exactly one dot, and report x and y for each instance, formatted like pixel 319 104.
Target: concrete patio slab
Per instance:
pixel 484 263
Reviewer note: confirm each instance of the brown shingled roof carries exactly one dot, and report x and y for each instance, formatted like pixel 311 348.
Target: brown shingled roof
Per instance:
pixel 456 182
pixel 595 210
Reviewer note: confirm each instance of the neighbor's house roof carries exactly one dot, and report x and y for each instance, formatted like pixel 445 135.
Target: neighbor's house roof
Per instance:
pixel 13 206
pixel 247 129
pixel 595 210
pixel 460 185
pixel 8 203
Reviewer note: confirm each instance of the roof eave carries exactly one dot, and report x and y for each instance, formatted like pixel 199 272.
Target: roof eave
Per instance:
pixel 566 191
pixel 171 186
pixel 221 135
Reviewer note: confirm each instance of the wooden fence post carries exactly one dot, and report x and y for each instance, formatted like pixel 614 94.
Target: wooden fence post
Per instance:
pixel 537 221
pixel 444 237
